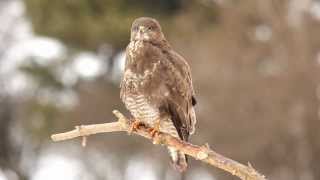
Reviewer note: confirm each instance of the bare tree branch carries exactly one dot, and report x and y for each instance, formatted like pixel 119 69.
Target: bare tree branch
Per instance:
pixel 202 153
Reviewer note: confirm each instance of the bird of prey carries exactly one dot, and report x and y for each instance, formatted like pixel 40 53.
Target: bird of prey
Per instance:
pixel 157 87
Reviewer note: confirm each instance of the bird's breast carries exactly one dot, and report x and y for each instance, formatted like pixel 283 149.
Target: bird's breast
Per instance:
pixel 134 80
pixel 141 108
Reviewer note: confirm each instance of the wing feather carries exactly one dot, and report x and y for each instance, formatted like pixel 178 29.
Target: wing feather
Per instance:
pixel 182 96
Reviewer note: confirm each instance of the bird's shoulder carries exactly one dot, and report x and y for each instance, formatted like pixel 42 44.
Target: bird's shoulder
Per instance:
pixel 181 69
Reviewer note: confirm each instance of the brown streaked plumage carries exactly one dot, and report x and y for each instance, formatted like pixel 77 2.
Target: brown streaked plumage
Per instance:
pixel 157 85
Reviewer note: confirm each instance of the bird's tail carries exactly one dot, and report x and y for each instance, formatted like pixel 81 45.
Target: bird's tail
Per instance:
pixel 178 159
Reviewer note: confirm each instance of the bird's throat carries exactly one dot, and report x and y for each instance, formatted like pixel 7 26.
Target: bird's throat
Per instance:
pixel 135 49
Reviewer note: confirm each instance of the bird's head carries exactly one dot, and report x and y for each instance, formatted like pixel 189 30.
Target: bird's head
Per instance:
pixel 146 29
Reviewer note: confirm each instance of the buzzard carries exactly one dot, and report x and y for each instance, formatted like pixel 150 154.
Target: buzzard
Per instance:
pixel 156 87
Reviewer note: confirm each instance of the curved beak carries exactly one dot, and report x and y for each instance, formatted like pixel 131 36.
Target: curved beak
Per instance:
pixel 141 30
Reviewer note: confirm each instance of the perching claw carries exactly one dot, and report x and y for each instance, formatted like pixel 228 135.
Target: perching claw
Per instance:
pixel 136 124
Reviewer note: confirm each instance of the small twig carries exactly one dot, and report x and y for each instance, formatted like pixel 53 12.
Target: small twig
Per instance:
pixel 202 153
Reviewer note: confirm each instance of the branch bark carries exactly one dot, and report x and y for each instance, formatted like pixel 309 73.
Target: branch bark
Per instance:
pixel 202 153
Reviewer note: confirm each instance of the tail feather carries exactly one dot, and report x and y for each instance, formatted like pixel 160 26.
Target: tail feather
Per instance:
pixel 178 159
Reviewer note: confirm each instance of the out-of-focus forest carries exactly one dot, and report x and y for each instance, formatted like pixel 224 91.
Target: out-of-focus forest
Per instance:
pixel 254 63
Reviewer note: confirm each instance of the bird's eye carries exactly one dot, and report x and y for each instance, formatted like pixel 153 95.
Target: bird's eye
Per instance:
pixel 150 28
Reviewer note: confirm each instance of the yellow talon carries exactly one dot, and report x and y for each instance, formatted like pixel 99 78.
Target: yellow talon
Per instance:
pixel 135 125
pixel 156 129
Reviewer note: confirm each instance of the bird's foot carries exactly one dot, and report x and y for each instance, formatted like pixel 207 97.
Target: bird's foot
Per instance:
pixel 135 125
pixel 155 131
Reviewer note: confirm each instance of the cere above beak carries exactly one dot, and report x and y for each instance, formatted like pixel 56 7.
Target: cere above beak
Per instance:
pixel 142 29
